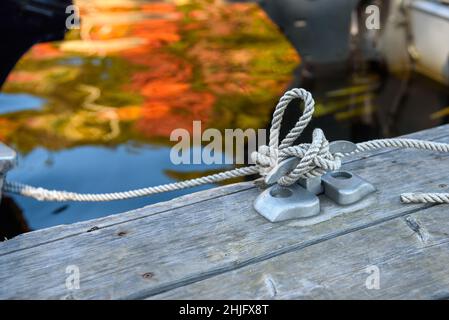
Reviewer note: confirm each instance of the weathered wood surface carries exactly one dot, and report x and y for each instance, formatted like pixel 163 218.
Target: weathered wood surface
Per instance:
pixel 212 244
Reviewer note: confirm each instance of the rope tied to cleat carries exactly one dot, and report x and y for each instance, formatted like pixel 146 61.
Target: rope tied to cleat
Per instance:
pixel 314 160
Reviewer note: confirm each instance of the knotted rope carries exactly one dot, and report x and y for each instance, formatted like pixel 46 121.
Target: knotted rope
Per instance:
pixel 315 159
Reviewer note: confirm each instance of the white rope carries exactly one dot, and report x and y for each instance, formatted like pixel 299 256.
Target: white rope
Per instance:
pixel 315 160
pixel 425 197
pixel 42 194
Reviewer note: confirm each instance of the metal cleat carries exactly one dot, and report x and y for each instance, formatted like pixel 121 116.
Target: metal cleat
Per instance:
pixel 313 185
pixel 346 188
pixel 278 203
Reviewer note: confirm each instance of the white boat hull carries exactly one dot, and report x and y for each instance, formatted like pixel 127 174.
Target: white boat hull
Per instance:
pixel 429 23
pixel 421 31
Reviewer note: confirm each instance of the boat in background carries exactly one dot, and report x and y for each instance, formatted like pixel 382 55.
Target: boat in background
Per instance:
pixel 424 38
pixel 412 34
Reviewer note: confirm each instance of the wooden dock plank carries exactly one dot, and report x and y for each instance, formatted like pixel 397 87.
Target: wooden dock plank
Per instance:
pixel 42 236
pixel 411 254
pixel 175 245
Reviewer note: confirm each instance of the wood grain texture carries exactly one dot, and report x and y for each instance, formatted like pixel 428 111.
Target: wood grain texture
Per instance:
pixel 204 244
pixel 410 254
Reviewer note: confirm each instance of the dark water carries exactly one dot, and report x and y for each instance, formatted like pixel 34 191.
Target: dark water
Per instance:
pixel 94 113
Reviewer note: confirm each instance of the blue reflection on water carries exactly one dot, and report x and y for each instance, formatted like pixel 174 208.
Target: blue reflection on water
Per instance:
pixel 10 102
pixel 91 169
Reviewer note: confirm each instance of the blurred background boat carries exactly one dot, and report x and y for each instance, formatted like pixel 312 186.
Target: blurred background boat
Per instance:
pixel 330 32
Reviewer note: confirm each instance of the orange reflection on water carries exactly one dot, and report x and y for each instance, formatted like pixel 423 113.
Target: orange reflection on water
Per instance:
pixel 151 68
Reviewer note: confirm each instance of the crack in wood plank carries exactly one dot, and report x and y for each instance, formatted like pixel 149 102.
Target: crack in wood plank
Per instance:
pixel 416 227
pixel 271 286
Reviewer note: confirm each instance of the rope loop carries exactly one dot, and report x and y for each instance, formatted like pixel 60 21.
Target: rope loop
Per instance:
pixel 315 158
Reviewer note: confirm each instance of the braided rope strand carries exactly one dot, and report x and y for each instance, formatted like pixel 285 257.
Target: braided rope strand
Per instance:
pixel 419 197
pixel 315 160
pixel 42 194
pixel 400 143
